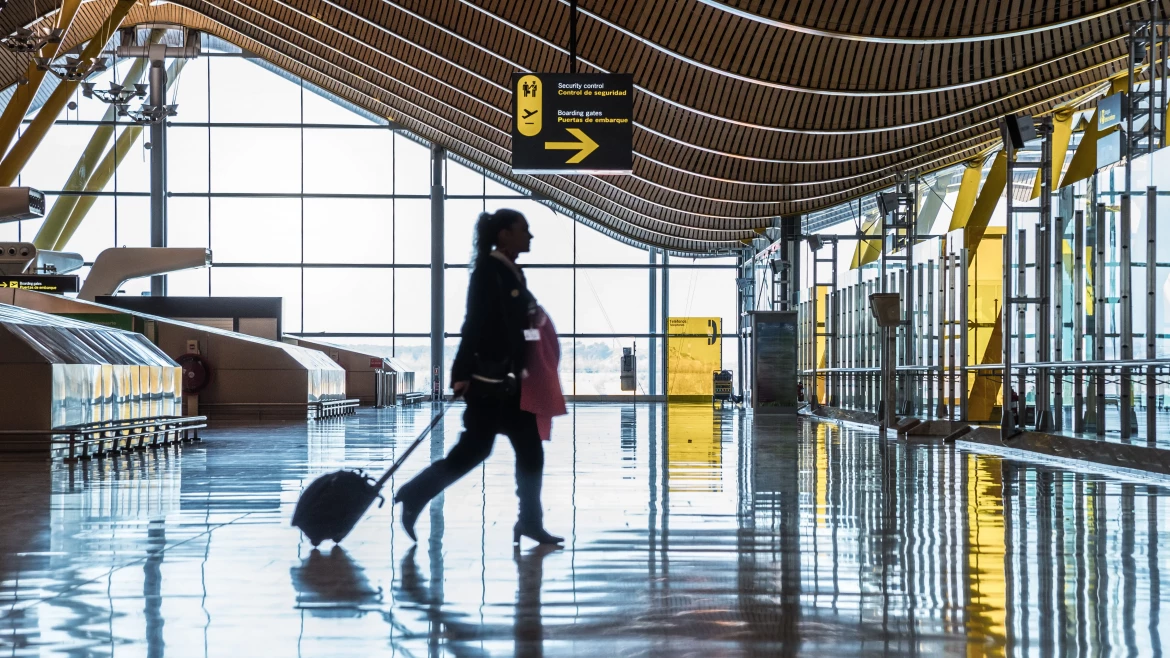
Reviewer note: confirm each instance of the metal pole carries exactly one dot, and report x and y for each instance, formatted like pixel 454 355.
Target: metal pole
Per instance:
pixel 1078 332
pixel 1043 413
pixel 814 301
pixel 158 171
pixel 941 329
pixel 907 328
pixel 835 397
pixel 920 332
pixel 868 345
pixel 931 344
pixel 852 356
pixel 1099 312
pixel 953 334
pixel 745 303
pixel 653 324
pixel 1021 322
pixel 963 261
pixel 438 158
pixel 834 357
pixel 1151 313
pixel 665 304
pixel 1125 402
pixel 1058 321
pixel 1007 425
pixel 854 348
pixel 887 378
pixel 1043 277
pixel 573 36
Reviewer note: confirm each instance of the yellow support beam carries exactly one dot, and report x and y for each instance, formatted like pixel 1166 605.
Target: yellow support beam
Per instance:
pixel 1061 135
pixel 1084 161
pixel 868 251
pixel 968 190
pixel 62 208
pixel 101 176
pixel 985 204
pixel 19 156
pixel 24 94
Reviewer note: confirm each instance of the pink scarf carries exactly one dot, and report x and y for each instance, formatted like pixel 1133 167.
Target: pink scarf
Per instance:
pixel 540 392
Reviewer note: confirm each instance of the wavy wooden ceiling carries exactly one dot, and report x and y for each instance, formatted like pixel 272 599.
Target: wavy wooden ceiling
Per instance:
pixel 746 109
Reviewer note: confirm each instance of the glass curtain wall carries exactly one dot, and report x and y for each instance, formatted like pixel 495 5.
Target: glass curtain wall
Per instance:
pixel 1092 283
pixel 302 196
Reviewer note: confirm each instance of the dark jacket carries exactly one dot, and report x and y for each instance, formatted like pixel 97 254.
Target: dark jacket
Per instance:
pixel 498 308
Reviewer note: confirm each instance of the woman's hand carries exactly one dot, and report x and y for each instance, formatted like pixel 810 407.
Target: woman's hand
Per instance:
pixel 459 388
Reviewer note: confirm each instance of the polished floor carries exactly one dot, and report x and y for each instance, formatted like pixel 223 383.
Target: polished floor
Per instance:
pixel 690 533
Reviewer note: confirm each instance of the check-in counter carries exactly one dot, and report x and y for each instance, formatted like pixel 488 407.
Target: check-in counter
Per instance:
pixel 58 373
pixel 249 378
pixel 361 367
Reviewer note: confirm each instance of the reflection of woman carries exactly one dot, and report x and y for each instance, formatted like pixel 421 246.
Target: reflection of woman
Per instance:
pixel 528 626
pixel 461 636
pixel 502 319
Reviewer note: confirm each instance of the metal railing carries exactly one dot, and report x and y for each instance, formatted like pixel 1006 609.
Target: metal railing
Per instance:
pixel 334 408
pixel 88 440
pixel 1075 393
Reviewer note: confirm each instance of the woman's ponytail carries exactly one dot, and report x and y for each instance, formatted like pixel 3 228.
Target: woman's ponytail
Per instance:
pixel 488 227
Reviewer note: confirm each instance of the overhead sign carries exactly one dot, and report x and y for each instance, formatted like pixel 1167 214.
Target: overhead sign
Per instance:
pixel 52 283
pixel 572 124
pixel 1110 112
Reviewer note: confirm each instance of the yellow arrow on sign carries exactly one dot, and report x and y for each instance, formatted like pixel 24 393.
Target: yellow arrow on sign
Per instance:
pixel 584 146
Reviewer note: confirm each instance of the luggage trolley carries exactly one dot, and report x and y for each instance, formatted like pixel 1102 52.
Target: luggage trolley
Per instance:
pixel 722 391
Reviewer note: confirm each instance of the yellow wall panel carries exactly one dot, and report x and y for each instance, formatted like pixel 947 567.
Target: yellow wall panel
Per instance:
pixel 694 353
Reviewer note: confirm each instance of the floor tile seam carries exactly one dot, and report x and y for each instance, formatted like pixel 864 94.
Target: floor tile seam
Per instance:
pixel 29 604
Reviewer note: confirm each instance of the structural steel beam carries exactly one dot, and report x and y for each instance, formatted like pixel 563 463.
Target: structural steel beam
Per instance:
pixel 23 95
pixel 18 157
pixel 438 193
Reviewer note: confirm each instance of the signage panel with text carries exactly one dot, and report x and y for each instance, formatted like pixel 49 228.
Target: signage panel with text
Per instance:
pixel 52 283
pixel 572 124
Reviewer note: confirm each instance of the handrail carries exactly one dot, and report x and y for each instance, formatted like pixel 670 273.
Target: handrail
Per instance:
pixel 1084 365
pixel 1048 365
pixel 109 426
pixel 118 434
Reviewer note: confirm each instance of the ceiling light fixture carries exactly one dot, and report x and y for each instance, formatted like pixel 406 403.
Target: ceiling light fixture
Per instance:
pixel 31 40
pixel 116 95
pixel 73 69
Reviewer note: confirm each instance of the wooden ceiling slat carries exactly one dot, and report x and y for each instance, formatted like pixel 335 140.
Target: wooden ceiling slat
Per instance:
pixel 691 186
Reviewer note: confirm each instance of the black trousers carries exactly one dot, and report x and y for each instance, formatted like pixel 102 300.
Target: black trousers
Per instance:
pixel 482 421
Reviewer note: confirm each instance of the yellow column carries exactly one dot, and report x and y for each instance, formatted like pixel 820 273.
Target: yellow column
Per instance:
pixel 31 139
pixel 24 94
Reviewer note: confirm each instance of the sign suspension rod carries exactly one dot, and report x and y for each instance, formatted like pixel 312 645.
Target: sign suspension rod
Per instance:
pixel 573 36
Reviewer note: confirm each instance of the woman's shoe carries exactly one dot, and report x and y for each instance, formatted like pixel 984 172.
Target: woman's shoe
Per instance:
pixel 410 513
pixel 539 535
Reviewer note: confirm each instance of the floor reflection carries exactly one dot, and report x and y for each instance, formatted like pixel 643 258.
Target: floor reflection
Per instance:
pixel 691 531
pixel 331 584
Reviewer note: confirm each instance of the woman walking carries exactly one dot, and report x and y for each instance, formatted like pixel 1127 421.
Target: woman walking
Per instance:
pixel 503 326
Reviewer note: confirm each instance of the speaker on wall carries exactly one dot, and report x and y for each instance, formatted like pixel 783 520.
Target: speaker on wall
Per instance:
pixel 1017 130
